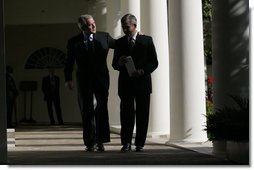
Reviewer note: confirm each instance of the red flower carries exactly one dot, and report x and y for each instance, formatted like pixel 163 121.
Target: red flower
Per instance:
pixel 209 80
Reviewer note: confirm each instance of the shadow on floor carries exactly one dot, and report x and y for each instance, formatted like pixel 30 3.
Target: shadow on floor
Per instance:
pixel 63 145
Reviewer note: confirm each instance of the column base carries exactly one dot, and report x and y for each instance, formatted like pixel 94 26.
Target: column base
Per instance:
pixel 187 141
pixel 158 135
pixel 205 147
pixel 10 138
pixel 117 129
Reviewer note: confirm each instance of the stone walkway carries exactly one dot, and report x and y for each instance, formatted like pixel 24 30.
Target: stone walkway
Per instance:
pixel 63 145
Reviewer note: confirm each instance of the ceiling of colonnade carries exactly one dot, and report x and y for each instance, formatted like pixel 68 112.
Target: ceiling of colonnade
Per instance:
pixel 19 12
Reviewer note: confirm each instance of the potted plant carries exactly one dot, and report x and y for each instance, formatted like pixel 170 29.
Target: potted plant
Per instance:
pixel 214 126
pixel 237 129
pixel 231 125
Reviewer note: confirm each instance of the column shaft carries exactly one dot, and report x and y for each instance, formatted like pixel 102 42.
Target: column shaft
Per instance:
pixel 230 46
pixel 188 72
pixel 154 22
pixel 133 7
pixel 114 28
pixel 251 5
pixel 3 123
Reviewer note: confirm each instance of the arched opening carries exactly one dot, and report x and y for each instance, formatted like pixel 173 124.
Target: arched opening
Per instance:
pixel 46 57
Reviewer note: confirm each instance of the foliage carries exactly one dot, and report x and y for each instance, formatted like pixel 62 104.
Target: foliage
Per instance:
pixel 209 98
pixel 209 89
pixel 207 10
pixel 209 107
pixel 207 31
pixel 229 123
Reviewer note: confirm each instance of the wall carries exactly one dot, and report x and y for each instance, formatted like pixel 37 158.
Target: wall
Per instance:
pixel 47 11
pixel 21 42
pixel 31 25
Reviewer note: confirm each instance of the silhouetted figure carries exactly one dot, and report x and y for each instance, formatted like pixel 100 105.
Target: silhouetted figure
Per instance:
pixel 11 95
pixel 50 88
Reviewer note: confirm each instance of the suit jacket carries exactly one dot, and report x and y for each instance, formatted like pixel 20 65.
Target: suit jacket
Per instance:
pixel 11 89
pixel 144 57
pixel 91 66
pixel 49 91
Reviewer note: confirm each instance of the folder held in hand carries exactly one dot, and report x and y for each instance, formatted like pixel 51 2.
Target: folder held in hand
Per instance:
pixel 130 65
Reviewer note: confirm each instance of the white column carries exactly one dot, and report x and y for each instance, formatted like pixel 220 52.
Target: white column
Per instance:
pixel 114 29
pixel 3 135
pixel 230 46
pixel 187 71
pixel 132 7
pixel 176 70
pixel 154 23
pixel 114 17
pixel 98 10
pixel 251 5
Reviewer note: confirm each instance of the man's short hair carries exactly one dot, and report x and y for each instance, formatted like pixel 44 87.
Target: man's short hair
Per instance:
pixel 129 18
pixel 82 20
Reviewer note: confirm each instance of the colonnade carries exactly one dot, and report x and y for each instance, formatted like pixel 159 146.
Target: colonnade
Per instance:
pixel 178 98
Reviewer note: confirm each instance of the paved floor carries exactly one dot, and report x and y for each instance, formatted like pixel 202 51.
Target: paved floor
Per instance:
pixel 63 145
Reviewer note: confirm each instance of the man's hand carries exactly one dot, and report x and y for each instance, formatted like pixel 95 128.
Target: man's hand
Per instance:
pixel 69 84
pixel 138 73
pixel 122 60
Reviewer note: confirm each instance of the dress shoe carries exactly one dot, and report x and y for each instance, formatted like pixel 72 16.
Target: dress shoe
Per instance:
pixel 89 148
pixel 100 147
pixel 126 148
pixel 139 149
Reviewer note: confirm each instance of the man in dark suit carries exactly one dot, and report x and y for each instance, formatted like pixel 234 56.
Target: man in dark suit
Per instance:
pixel 11 95
pixel 50 88
pixel 137 86
pixel 89 50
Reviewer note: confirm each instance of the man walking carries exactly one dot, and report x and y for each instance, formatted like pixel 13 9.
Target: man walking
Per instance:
pixel 134 84
pixel 89 50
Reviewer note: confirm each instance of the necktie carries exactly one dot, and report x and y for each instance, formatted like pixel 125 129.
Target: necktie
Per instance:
pixel 132 42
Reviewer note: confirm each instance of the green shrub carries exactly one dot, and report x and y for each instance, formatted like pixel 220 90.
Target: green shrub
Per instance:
pixel 229 123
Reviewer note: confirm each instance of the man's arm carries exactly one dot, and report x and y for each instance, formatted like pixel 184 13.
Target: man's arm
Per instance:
pixel 152 58
pixel 69 64
pixel 111 42
pixel 116 57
